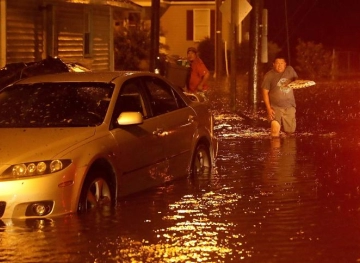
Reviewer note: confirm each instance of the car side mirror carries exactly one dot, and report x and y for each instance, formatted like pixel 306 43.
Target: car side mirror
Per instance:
pixel 130 118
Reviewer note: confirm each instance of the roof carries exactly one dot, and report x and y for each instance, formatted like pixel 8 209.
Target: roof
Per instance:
pixel 126 4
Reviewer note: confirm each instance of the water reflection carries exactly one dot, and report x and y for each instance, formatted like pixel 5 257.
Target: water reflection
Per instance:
pixel 281 161
pixel 268 201
pixel 197 233
pixel 34 240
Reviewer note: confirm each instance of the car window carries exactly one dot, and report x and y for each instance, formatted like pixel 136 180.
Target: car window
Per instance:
pixel 162 96
pixel 54 104
pixel 130 99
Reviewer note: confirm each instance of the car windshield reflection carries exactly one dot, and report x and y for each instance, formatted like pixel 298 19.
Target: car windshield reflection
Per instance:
pixel 54 105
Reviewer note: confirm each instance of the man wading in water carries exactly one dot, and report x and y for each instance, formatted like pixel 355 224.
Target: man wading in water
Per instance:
pixel 279 98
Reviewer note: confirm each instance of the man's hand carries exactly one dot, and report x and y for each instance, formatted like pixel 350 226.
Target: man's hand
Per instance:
pixel 271 114
pixel 270 111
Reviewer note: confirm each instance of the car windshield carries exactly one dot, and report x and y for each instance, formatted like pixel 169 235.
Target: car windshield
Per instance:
pixel 54 104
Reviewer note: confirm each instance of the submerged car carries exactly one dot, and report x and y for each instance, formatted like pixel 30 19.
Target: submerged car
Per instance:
pixel 71 142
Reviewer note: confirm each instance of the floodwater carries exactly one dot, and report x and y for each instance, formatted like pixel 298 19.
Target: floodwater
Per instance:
pixel 292 199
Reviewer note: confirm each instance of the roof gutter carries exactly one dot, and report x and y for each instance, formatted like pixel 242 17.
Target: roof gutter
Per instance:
pixel 126 4
pixel 189 2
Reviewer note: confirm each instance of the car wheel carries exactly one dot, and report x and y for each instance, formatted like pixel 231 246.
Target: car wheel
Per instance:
pixel 97 192
pixel 201 163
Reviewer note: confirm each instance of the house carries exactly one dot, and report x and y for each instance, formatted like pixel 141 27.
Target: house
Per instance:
pixel 185 23
pixel 74 30
pixel 182 23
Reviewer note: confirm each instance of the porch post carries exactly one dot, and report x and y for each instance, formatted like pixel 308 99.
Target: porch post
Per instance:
pixel 2 33
pixel 111 40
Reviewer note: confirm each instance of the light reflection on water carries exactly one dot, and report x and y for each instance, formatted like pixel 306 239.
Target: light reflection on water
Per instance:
pixel 197 233
pixel 285 200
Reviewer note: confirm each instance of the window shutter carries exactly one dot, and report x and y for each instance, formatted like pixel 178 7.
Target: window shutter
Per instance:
pixel 212 24
pixel 87 41
pixel 189 25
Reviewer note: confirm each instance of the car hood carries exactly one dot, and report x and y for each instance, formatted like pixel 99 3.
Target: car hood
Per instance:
pixel 32 144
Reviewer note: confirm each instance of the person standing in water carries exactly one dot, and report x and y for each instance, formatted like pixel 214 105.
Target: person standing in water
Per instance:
pixel 199 74
pixel 279 98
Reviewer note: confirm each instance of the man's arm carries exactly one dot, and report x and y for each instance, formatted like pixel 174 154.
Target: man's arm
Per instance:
pixel 203 81
pixel 270 111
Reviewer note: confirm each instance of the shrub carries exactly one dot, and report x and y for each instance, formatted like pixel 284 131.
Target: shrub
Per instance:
pixel 206 49
pixel 313 60
pixel 132 47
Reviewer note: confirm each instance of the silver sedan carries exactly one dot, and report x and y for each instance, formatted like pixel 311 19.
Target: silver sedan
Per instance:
pixel 71 142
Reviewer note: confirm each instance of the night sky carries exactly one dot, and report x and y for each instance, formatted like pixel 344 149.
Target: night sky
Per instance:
pixel 334 23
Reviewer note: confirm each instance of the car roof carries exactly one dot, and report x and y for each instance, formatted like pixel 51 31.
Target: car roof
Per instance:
pixel 100 76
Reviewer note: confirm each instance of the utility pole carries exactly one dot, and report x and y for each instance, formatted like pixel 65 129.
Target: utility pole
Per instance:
pixel 235 11
pixel 287 33
pixel 155 35
pixel 234 29
pixel 255 41
pixel 218 41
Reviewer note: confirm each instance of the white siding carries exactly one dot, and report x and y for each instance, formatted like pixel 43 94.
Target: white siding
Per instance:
pixel 24 36
pixel 101 41
pixel 71 29
pixel 70 32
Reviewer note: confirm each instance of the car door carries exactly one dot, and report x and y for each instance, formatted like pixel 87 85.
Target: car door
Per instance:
pixel 179 123
pixel 140 147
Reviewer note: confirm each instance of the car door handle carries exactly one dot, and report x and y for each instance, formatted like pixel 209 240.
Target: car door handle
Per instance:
pixel 191 118
pixel 160 132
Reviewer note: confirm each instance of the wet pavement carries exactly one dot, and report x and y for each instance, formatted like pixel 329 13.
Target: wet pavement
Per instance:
pixel 292 199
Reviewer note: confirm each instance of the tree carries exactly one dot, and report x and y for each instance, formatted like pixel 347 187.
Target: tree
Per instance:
pixel 131 47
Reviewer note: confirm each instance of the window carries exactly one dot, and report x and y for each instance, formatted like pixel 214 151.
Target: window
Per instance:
pixel 162 97
pixel 200 24
pixel 130 99
pixel 55 104
pixel 134 19
pixel 87 33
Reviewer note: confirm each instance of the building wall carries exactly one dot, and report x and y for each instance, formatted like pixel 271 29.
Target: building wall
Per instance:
pixel 173 24
pixel 24 31
pixel 102 47
pixel 69 32
pixel 70 35
pixel 38 28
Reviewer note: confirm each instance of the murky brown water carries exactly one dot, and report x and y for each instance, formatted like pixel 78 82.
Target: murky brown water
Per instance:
pixel 295 199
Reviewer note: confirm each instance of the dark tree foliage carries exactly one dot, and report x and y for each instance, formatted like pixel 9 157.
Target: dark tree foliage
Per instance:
pixel 206 49
pixel 131 46
pixel 313 60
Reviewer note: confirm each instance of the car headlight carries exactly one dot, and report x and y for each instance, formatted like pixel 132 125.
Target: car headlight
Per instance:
pixel 35 168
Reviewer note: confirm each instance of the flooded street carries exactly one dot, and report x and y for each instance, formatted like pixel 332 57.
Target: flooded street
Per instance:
pixel 291 199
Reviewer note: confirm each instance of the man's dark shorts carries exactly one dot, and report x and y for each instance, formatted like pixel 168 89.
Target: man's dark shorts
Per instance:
pixel 286 118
